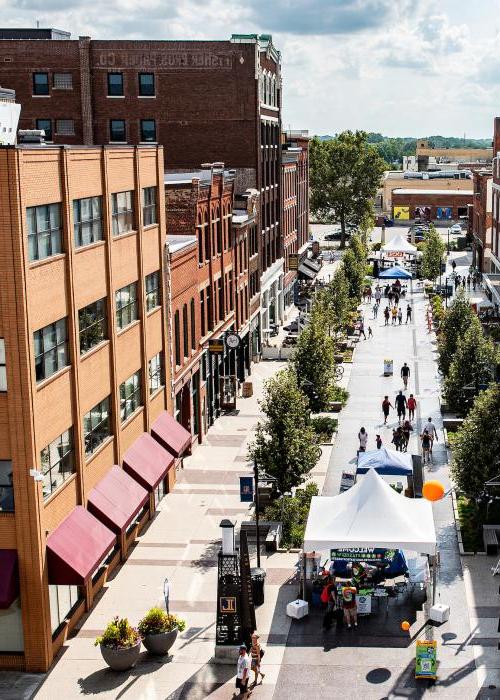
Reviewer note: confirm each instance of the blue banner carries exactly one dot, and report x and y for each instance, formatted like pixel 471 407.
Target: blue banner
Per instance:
pixel 246 489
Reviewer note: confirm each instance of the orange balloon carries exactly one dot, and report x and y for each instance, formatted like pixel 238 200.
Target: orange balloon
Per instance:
pixel 433 490
pixel 405 626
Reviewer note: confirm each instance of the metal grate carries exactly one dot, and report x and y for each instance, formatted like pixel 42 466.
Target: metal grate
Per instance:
pixel 65 127
pixel 63 81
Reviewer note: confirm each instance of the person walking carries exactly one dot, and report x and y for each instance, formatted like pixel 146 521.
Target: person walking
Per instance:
pixel 386 315
pixel 412 404
pixel 397 438
pixel 405 374
pixel 400 316
pixel 363 440
pixel 425 438
pixel 468 281
pixel 370 332
pixel 386 406
pixel 375 310
pixel 401 405
pixel 378 296
pixel 408 314
pixel 378 441
pixel 350 606
pixel 256 654
pixel 407 429
pixel 396 299
pixel 453 264
pixel 362 329
pixel 431 429
pixel 369 293
pixel 390 296
pixel 394 314
pixel 243 672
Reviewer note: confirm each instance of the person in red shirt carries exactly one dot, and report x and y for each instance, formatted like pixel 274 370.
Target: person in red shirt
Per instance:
pixel 412 405
pixel 386 405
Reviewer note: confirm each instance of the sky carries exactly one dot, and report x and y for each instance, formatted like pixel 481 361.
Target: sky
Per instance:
pixel 398 67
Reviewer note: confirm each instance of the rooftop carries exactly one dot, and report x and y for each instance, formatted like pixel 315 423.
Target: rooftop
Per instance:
pixel 178 242
pixel 186 177
pixel 401 190
pixel 14 33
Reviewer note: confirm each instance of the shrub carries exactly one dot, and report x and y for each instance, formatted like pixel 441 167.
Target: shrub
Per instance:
pixel 340 394
pixel 156 621
pixel 324 427
pixel 119 634
pixel 292 512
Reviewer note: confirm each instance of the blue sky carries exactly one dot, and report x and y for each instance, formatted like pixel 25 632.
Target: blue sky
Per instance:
pixel 400 67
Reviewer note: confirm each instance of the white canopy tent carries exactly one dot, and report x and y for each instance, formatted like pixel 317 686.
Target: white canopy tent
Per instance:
pixel 370 514
pixel 398 244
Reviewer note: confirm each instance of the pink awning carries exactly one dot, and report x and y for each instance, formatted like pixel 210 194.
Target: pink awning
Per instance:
pixel 9 578
pixel 171 434
pixel 116 499
pixel 76 548
pixel 147 462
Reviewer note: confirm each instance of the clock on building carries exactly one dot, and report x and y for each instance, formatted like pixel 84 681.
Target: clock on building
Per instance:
pixel 232 340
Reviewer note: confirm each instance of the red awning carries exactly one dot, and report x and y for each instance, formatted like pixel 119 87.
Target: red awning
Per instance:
pixel 76 548
pixel 147 461
pixel 9 578
pixel 170 434
pixel 116 499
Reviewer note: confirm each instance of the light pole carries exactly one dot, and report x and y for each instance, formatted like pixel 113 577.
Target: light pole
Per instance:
pixel 448 246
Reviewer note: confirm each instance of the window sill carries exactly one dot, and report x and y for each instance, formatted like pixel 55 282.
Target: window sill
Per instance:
pixel 156 392
pixel 129 419
pixel 121 331
pixel 45 261
pixel 43 383
pixel 102 446
pixel 146 97
pixel 148 143
pixel 115 97
pixel 58 491
pixel 154 311
pixel 95 349
pixel 40 96
pixel 118 143
pixel 154 225
pixel 89 246
pixel 125 234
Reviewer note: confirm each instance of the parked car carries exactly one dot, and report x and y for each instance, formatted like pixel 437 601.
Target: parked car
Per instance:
pixel 456 228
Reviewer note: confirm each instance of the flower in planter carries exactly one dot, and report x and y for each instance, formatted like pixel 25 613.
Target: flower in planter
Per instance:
pixel 119 634
pixel 157 621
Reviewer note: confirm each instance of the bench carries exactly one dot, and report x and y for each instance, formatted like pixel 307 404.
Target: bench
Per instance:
pixel 490 539
pixel 269 531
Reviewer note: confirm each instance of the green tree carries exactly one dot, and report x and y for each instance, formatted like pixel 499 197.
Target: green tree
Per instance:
pixel 456 320
pixel 354 273
pixel 284 445
pixel 471 366
pixel 433 251
pixel 476 447
pixel 345 176
pixel 334 301
pixel 314 361
pixel 292 511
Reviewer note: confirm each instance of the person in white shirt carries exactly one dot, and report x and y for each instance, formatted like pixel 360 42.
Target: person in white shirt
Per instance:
pixel 431 429
pixel 363 440
pixel 243 672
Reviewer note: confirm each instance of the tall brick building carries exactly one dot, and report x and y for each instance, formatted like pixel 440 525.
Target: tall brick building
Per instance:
pixel 204 101
pixel 491 276
pixel 481 218
pixel 84 380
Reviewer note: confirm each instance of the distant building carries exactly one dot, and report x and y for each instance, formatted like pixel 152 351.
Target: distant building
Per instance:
pixel 439 206
pixel 441 181
pixel 482 219
pixel 9 117
pixel 491 277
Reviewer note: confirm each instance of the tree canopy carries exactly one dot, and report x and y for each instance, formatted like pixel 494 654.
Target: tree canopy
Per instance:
pixel 345 176
pixel 457 319
pixel 433 251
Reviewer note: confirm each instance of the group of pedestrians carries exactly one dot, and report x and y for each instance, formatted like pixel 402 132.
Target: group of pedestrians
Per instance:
pixel 247 663
pixel 396 314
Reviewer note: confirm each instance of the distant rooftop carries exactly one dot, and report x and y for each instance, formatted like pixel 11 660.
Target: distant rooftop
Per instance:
pixel 178 242
pixel 7 95
pixel 186 177
pixel 401 190
pixel 33 33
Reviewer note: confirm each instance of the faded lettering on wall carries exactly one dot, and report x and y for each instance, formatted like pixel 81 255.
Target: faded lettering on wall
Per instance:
pixel 164 59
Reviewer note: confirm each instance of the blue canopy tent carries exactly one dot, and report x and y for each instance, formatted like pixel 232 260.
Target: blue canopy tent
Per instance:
pixel 394 273
pixel 385 462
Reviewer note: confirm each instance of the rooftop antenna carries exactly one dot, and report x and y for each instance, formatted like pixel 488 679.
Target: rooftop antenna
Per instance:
pixel 38 24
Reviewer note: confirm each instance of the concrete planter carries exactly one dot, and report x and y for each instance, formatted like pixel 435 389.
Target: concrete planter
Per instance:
pixel 121 659
pixel 161 643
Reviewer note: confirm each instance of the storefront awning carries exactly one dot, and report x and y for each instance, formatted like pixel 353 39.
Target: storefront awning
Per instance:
pixel 9 578
pixel 147 462
pixel 76 547
pixel 313 265
pixel 171 434
pixel 117 499
pixel 306 272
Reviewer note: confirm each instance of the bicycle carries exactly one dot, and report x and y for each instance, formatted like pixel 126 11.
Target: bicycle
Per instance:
pixel 338 372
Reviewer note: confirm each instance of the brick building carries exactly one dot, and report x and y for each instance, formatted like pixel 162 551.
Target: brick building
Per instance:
pixel 491 277
pixel 430 204
pixel 203 100
pixel 481 219
pixel 84 380
pixel 210 251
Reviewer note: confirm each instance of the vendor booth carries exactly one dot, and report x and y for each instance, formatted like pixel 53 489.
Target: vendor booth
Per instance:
pixel 384 461
pixel 398 246
pixel 395 273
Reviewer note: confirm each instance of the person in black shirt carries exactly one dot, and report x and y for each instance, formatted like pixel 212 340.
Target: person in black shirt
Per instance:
pixel 401 405
pixel 405 374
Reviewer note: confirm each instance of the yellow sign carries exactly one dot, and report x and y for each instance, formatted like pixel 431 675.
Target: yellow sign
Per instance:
pixel 402 213
pixel 293 261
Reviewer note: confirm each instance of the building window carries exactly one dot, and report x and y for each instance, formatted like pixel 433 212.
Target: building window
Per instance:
pixel 130 396
pixel 155 373
pixel 58 462
pixel 87 221
pixel 46 126
pixel 115 84
pixel 122 212
pixel 202 313
pixel 177 334
pixel 40 83
pixel 62 600
pixel 63 81
pixel 148 130
pixel 185 333
pixel 44 231
pixel 220 290
pixel 152 284
pixel 96 426
pixel 117 131
pixel 6 486
pixel 65 127
pixel 51 349
pixel 3 367
pixel 92 324
pixel 193 325
pixel 126 305
pixel 149 206
pixel 146 84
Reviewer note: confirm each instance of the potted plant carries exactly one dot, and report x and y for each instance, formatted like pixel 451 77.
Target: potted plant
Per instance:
pixel 159 630
pixel 120 644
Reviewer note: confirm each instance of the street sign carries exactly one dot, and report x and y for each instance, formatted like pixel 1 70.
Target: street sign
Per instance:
pixel 426 659
pixel 246 489
pixel 293 261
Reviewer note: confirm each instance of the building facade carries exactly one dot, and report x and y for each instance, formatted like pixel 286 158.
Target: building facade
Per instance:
pixel 9 117
pixel 491 277
pixel 430 205
pixel 481 219
pixel 84 380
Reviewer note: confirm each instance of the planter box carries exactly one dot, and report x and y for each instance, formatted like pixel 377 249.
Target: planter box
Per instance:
pixel 335 406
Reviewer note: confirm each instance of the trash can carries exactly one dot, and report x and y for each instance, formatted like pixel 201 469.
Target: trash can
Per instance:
pixel 257 575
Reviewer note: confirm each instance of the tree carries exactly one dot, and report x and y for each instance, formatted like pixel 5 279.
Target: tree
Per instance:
pixel 284 446
pixel 293 512
pixel 433 251
pixel 345 176
pixel 334 301
pixel 354 273
pixel 472 365
pixel 477 445
pixel 456 320
pixel 314 361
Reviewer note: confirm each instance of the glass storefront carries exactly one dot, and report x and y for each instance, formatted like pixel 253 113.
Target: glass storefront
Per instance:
pixel 62 600
pixel 11 629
